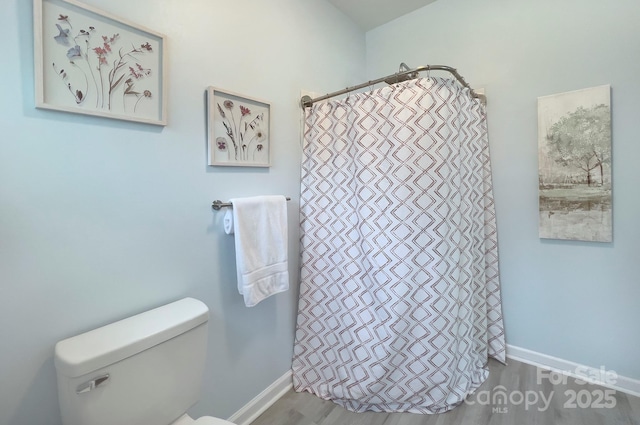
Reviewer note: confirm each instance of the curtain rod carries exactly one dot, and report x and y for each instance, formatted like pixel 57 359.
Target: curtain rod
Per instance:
pixel 403 75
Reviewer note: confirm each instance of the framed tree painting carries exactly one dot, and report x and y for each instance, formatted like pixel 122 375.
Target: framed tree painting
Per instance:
pixel 574 165
pixel 90 62
pixel 239 129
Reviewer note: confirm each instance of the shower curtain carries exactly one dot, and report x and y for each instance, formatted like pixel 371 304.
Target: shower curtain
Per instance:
pixel 400 302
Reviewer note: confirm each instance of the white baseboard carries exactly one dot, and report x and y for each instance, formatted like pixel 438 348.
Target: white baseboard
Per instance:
pixel 575 370
pixel 250 411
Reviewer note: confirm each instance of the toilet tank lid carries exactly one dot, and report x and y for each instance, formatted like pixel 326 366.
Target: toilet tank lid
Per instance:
pixel 101 347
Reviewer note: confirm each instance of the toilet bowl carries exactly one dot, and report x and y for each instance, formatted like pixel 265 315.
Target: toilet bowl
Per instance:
pixel 143 370
pixel 203 420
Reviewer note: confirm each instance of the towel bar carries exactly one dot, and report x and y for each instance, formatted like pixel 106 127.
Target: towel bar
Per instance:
pixel 218 204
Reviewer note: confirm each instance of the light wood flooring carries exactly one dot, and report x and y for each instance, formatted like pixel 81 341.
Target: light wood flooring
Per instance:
pixel 563 406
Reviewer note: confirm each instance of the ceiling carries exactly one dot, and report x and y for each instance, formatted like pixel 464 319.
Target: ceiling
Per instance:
pixel 369 14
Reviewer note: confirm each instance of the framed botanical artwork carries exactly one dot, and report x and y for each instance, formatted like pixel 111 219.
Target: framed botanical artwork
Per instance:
pixel 574 163
pixel 239 130
pixel 90 62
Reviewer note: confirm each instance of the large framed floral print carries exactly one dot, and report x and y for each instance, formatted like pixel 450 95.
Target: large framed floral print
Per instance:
pixel 238 130
pixel 90 62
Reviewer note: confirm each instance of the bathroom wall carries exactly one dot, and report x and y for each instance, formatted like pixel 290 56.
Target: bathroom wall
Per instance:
pixel 573 300
pixel 101 219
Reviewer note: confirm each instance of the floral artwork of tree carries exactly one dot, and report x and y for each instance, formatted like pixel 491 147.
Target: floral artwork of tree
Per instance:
pixel 575 165
pixel 583 138
pixel 240 129
pixel 99 65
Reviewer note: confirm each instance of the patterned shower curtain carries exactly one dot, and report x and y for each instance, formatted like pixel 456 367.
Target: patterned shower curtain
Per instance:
pixel 400 302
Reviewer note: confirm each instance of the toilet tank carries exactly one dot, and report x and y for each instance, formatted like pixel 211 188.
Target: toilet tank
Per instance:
pixel 143 370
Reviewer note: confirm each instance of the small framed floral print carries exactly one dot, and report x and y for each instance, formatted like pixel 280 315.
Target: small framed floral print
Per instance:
pixel 90 62
pixel 239 131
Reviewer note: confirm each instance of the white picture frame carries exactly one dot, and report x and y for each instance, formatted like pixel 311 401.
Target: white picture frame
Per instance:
pixel 90 62
pixel 239 129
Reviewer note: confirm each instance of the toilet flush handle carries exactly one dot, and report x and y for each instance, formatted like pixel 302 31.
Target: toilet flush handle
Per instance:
pixel 94 383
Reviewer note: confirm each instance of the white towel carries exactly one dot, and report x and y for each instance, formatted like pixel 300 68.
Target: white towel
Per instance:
pixel 260 231
pixel 228 222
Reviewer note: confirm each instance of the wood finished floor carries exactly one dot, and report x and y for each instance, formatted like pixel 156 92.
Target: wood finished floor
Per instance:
pixel 307 409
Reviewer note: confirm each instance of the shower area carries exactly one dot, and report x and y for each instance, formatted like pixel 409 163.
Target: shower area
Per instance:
pixel 400 305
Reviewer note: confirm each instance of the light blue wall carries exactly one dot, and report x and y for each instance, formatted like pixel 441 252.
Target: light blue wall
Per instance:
pixel 576 301
pixel 101 219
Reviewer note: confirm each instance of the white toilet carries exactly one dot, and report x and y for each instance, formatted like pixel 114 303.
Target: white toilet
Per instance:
pixel 143 370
